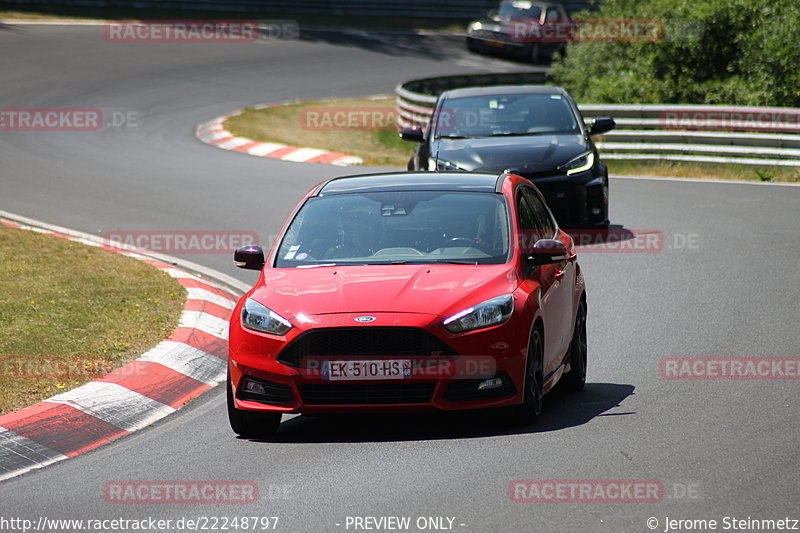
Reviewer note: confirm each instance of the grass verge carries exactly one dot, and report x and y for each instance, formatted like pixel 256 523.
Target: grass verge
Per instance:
pixel 295 125
pixel 315 125
pixel 70 313
pixel 676 169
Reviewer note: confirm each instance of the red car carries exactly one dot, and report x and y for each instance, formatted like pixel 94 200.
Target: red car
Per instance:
pixel 408 291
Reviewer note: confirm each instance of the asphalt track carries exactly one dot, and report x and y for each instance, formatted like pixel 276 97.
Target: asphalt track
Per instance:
pixel 732 293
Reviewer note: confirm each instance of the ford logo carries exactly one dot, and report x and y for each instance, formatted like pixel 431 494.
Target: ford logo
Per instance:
pixel 364 318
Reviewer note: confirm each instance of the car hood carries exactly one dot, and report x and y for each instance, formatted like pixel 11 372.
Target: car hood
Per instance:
pixel 428 289
pixel 527 154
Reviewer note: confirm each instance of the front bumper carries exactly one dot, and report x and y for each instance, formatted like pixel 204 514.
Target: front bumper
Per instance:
pixel 444 380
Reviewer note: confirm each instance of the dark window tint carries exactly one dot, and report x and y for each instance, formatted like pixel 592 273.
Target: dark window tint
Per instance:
pixel 540 211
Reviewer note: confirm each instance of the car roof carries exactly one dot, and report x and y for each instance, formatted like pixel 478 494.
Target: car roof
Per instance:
pixel 536 3
pixel 504 89
pixel 412 181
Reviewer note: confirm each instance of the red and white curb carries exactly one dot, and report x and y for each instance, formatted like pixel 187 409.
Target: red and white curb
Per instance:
pixel 191 361
pixel 214 133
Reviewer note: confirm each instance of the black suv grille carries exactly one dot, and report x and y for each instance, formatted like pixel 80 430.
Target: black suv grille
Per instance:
pixel 372 393
pixel 364 341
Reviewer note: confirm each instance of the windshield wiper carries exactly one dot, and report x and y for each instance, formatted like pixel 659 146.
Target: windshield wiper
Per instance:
pixel 315 265
pixel 510 134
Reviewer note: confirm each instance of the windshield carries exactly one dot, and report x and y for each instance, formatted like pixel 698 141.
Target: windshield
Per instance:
pixel 397 227
pixel 519 9
pixel 506 114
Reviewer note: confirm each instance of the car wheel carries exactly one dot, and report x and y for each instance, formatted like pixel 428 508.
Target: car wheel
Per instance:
pixel 250 424
pixel 576 378
pixel 528 412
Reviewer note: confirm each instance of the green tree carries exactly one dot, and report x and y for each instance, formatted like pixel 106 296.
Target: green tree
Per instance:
pixel 741 52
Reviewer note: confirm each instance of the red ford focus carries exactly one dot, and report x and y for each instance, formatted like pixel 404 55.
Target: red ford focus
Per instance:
pixel 408 291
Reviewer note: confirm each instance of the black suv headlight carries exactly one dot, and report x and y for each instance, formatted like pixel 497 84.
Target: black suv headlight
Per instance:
pixel 583 162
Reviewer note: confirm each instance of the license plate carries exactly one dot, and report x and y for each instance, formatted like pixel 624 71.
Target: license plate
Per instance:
pixel 496 44
pixel 360 369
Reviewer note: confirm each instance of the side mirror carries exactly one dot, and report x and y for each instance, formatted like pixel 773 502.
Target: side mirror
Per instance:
pixel 249 257
pixel 412 134
pixel 547 252
pixel 602 125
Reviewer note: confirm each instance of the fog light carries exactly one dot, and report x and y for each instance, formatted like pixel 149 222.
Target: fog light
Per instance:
pixel 494 383
pixel 595 210
pixel 254 387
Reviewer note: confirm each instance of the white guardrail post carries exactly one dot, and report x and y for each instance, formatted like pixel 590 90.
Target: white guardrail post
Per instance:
pixel 765 136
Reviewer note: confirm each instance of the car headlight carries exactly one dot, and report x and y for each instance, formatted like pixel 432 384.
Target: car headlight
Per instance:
pixel 583 162
pixel 485 314
pixel 261 318
pixel 441 165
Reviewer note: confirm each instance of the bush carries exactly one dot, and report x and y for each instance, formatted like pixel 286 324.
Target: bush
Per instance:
pixel 740 52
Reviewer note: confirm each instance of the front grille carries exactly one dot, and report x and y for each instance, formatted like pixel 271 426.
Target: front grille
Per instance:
pixel 371 393
pixel 276 393
pixel 364 341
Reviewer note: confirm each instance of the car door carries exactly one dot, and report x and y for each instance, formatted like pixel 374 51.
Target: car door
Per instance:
pixel 545 276
pixel 560 293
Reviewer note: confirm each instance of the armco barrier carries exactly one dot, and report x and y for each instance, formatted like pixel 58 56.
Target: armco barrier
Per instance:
pixel 447 9
pixel 765 136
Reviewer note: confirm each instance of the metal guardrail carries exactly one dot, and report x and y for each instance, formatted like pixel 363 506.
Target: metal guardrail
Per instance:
pixel 453 9
pixel 695 133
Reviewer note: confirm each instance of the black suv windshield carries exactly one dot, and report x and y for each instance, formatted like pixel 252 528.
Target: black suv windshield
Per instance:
pixel 397 227
pixel 505 114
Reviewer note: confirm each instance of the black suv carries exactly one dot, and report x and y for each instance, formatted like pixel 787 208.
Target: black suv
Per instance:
pixel 535 131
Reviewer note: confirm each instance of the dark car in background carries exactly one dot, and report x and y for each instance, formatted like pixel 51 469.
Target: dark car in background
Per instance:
pixel 516 28
pixel 535 131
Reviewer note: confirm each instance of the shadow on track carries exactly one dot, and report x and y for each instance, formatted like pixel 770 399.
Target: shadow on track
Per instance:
pixel 440 47
pixel 562 410
pixel 588 236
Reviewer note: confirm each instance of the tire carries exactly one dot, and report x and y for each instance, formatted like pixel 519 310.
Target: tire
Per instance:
pixel 250 424
pixel 575 380
pixel 528 412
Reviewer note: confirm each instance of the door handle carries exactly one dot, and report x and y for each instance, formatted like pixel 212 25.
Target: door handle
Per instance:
pixel 559 274
pixel 572 257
